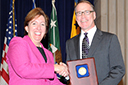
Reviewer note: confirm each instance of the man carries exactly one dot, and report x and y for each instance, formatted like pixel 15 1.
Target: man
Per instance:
pixel 103 46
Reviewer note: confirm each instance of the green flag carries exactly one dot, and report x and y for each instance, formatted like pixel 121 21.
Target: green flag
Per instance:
pixel 53 34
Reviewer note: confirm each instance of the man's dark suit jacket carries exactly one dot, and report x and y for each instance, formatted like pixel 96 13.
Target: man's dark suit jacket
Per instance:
pixel 105 49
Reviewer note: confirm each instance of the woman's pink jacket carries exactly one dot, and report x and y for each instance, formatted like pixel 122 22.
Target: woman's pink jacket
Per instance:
pixel 27 66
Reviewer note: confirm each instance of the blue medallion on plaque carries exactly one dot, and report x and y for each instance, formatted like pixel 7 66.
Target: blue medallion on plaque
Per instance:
pixel 82 71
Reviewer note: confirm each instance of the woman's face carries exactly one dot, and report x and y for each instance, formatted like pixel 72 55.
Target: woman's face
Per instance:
pixel 36 29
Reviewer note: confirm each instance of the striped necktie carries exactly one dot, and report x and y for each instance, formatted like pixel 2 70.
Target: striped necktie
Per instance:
pixel 85 46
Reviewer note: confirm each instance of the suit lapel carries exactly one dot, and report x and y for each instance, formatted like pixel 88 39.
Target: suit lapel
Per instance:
pixel 95 42
pixel 34 49
pixel 77 46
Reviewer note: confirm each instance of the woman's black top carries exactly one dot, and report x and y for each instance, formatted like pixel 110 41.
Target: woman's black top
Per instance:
pixel 43 54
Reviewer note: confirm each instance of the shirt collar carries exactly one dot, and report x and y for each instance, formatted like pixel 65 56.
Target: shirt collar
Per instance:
pixel 90 32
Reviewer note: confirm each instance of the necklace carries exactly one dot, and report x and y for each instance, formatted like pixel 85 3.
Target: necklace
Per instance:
pixel 39 46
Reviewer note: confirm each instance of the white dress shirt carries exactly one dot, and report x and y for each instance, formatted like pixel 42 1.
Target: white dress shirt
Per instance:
pixel 90 35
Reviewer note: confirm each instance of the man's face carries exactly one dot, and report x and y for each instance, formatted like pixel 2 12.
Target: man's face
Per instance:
pixel 84 17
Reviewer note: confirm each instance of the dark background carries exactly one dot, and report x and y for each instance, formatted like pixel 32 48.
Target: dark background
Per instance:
pixel 64 8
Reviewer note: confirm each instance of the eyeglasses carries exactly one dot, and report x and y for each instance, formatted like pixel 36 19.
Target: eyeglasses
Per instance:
pixel 86 12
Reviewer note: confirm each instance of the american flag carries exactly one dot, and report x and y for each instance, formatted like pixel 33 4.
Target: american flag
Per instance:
pixel 11 31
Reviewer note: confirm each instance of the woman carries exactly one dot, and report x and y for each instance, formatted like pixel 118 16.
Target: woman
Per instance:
pixel 29 62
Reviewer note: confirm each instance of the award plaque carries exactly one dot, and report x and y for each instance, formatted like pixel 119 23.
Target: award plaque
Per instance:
pixel 82 72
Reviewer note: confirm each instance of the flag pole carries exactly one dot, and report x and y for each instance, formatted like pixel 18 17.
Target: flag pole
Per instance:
pixel 13 17
pixel 54 54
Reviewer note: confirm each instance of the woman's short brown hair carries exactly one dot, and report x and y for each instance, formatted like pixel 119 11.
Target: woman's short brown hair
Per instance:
pixel 32 14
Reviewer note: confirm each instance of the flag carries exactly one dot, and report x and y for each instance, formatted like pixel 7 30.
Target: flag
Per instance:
pixel 53 35
pixel 75 28
pixel 11 31
pixel 54 49
pixel 34 5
